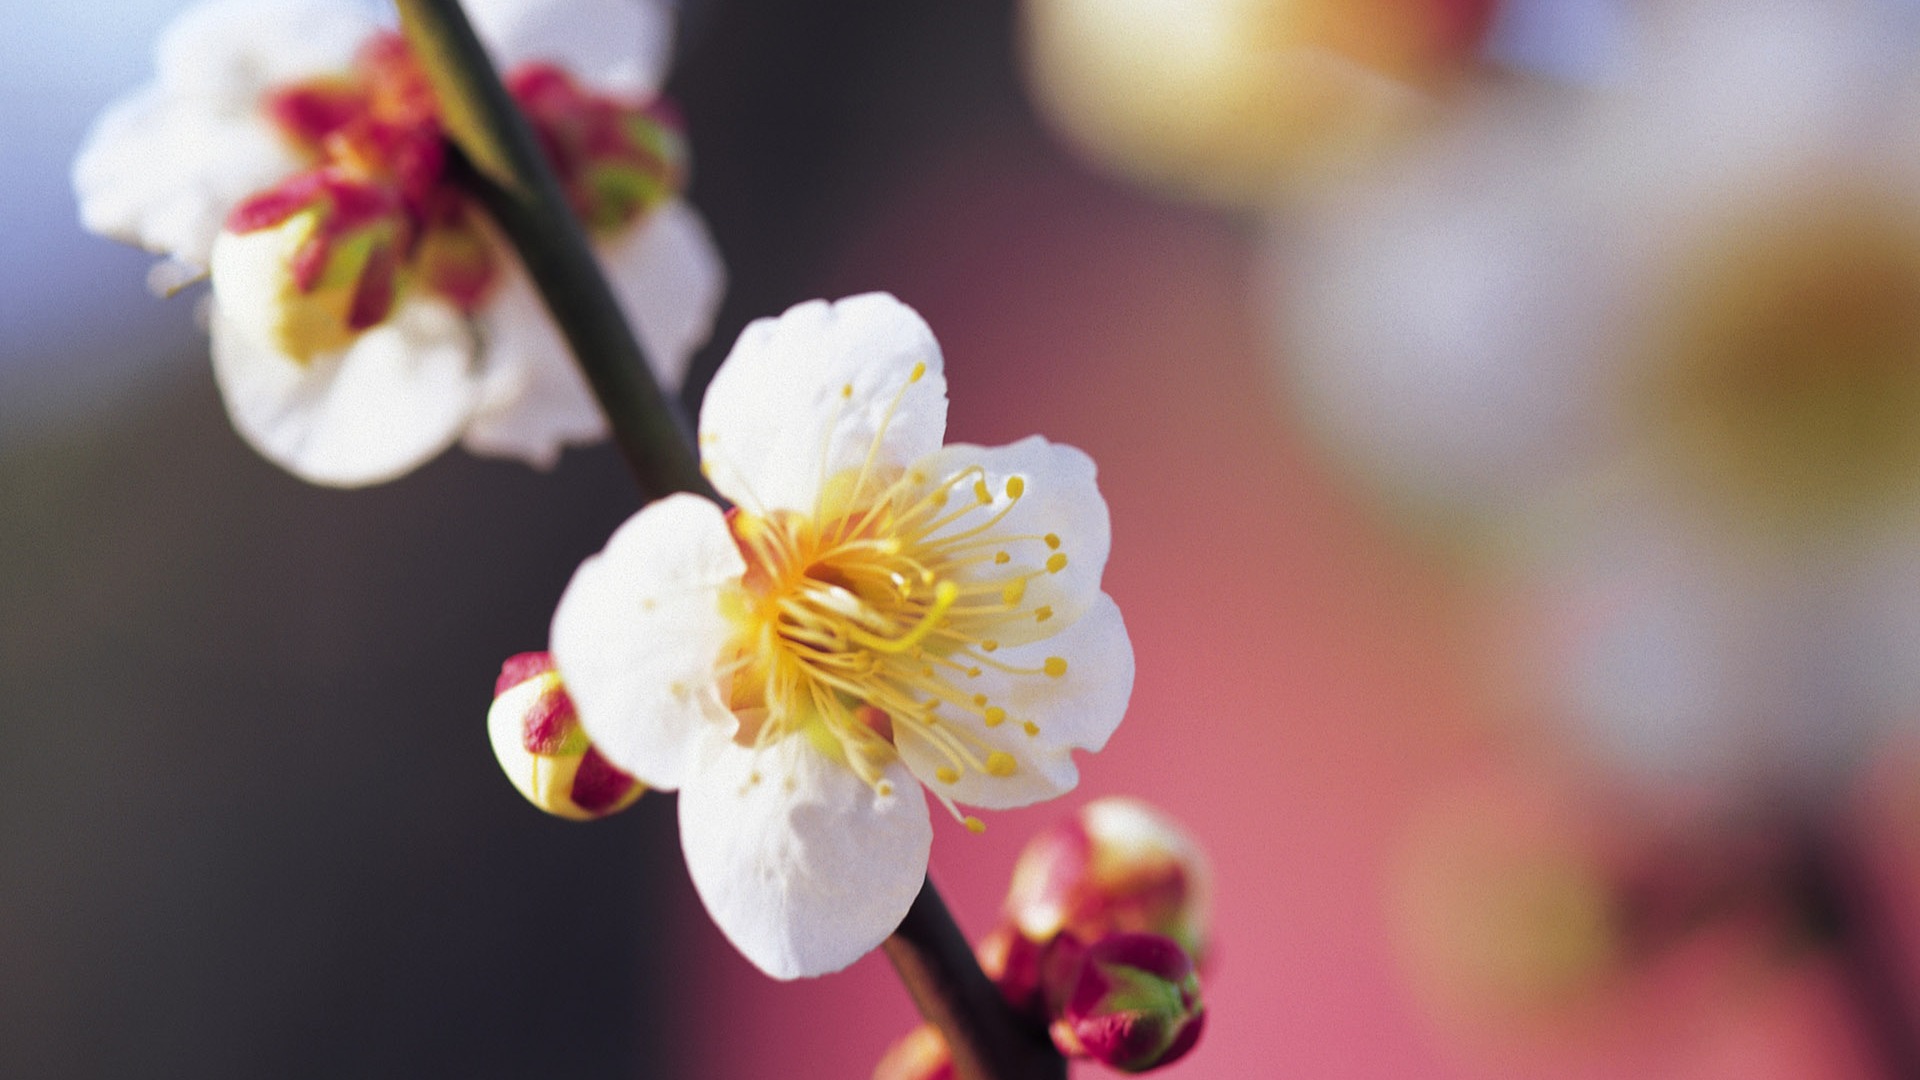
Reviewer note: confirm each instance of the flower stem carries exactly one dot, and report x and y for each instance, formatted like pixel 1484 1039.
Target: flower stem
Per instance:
pixel 1839 896
pixel 987 1040
pixel 504 167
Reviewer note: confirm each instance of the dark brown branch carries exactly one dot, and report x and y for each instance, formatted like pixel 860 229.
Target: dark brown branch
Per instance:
pixel 987 1040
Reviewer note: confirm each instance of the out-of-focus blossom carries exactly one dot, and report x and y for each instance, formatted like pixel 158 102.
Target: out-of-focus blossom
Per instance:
pixel 365 315
pixel 879 612
pixel 1117 865
pixel 1508 905
pixel 537 739
pixel 921 1054
pixel 1129 1001
pixel 1235 100
pixel 1665 332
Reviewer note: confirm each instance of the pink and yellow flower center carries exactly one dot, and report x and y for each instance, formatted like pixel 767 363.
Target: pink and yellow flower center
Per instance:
pixel 376 213
pixel 1781 381
pixel 877 615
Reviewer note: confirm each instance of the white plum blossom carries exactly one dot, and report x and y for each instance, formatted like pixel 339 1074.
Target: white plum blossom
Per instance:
pixel 878 612
pixel 365 316
pixel 1665 333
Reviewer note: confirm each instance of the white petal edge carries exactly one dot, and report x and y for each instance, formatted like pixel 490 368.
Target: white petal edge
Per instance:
pixel 804 867
pixel 802 398
pixel 639 632
pixel 1062 499
pixel 228 52
pixel 394 399
pixel 163 166
pixel 667 274
pixel 163 173
pixel 615 46
pixel 1078 710
pixel 534 401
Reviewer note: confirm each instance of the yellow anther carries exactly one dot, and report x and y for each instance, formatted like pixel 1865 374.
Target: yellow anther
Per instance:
pixel 943 598
pixel 976 826
pixel 919 372
pixel 973 673
pixel 1054 667
pixel 946 774
pixel 1002 558
pixel 1001 763
pixel 1053 540
pixel 979 700
pixel 938 498
pixel 1056 562
pixel 1016 487
pixel 981 492
pixel 989 645
pixel 1042 613
pixel 846 391
pixel 996 716
pixel 1015 589
pixel 884 788
pixel 1032 728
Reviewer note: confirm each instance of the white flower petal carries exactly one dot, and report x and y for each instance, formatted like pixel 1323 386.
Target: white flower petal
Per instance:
pixel 1060 499
pixel 639 632
pixel 804 867
pixel 229 52
pixel 534 401
pixel 163 172
pixel 615 46
pixel 1078 710
pixel 393 399
pixel 802 398
pixel 163 167
pixel 667 274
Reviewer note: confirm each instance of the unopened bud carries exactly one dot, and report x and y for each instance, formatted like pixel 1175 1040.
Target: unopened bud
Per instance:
pixel 1117 865
pixel 1129 1001
pixel 537 738
pixel 921 1055
pixel 309 265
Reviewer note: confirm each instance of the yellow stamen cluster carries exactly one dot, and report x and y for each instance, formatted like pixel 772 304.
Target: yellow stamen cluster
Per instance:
pixel 865 620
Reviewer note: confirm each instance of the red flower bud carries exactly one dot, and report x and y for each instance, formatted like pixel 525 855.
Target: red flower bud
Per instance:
pixel 538 741
pixel 1117 865
pixel 1129 1001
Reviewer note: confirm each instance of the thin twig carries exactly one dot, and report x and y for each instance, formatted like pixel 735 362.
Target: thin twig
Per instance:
pixel 987 1040
pixel 509 174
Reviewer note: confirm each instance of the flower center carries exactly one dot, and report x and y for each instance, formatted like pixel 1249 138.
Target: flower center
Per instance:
pixel 1783 386
pixel 374 214
pixel 877 619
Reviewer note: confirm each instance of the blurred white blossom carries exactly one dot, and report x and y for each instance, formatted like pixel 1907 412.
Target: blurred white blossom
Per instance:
pixel 365 315
pixel 1665 332
pixel 1238 101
